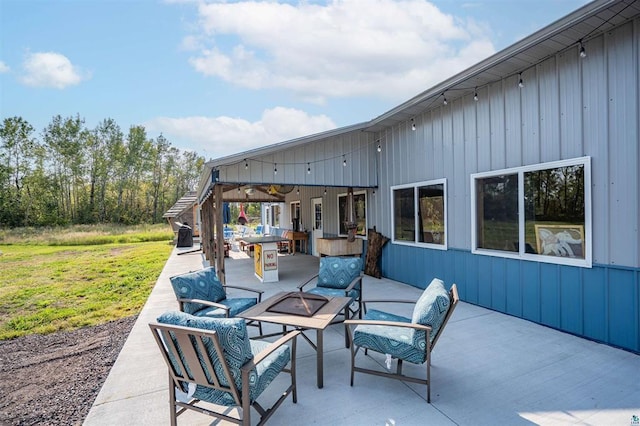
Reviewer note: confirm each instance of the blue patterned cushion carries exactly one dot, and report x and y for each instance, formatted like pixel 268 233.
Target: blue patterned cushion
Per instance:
pixel 234 339
pixel 338 272
pixel 203 284
pixel 259 378
pixel 396 341
pixel 432 307
pixel 236 306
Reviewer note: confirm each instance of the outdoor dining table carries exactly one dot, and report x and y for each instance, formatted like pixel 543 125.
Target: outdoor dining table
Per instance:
pixel 319 321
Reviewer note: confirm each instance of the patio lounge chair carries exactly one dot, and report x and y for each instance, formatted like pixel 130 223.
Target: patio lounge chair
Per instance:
pixel 405 339
pixel 201 293
pixel 339 277
pixel 213 361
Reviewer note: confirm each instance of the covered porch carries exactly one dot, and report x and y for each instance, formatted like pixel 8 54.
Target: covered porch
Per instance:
pixel 488 368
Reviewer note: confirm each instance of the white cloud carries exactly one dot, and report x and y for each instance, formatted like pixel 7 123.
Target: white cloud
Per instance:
pixel 222 136
pixel 4 68
pixel 385 48
pixel 50 69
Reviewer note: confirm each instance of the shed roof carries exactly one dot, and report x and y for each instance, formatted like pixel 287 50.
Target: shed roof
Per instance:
pixel 185 202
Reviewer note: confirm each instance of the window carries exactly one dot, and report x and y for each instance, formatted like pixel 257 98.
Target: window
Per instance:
pixel 540 212
pixel 294 214
pixel 419 214
pixel 360 208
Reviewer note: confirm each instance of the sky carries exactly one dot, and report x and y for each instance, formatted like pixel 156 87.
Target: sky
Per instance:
pixel 222 77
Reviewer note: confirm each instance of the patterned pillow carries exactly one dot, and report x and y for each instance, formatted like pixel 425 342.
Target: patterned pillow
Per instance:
pixel 203 284
pixel 432 307
pixel 338 272
pixel 233 337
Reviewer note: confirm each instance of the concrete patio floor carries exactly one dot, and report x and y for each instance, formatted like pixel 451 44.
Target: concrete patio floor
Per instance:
pixel 487 369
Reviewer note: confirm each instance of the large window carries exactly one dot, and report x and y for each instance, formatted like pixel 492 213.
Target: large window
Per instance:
pixel 419 213
pixel 360 208
pixel 541 212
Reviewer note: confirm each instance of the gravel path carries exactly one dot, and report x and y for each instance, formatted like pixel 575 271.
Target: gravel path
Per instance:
pixel 53 379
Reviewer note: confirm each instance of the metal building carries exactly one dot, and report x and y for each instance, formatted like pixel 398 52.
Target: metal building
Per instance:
pixel 459 178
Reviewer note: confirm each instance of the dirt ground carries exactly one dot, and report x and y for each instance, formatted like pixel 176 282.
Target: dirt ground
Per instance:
pixel 53 379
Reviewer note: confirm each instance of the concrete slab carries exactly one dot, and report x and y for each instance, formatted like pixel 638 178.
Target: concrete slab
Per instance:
pixel 488 368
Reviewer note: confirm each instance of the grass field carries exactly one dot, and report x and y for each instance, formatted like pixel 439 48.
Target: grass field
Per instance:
pixel 62 279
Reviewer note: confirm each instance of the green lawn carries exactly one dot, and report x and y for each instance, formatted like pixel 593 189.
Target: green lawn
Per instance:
pixel 46 288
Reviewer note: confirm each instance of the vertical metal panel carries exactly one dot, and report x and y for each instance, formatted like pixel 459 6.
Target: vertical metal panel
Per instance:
pixel 484 146
pixel 514 289
pixel 472 280
pixel 513 122
pixel 571 302
pixel 595 304
pixel 549 295
pixel 570 98
pixel 623 310
pixel 497 128
pixel 458 180
pixel 498 284
pixel 549 110
pixel 622 61
pixel 595 107
pixel 530 291
pixel 485 280
pixel 530 118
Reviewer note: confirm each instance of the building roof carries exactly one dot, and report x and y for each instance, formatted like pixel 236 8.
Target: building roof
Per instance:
pixel 185 202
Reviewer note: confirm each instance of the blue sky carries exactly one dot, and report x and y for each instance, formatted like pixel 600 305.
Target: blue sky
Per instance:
pixel 220 77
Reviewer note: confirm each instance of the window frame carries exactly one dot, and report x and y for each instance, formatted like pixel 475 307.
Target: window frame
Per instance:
pixel 415 242
pixel 366 219
pixel 521 253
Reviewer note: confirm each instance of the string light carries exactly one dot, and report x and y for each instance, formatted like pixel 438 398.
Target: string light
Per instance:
pixel 475 94
pixel 325 190
pixel 583 53
pixel 275 168
pixel 445 99
pixel 344 161
pixel 379 148
pixel 413 125
pixel 246 164
pixel 308 169
pixel 520 82
pixel 298 190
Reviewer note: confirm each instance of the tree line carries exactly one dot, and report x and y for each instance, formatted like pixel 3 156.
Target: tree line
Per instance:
pixel 71 174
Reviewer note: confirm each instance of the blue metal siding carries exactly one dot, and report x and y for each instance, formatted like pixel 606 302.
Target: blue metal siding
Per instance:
pixel 601 303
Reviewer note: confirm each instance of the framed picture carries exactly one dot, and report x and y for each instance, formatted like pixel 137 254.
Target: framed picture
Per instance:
pixel 560 240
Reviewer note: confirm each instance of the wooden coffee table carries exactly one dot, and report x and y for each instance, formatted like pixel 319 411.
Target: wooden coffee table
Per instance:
pixel 319 321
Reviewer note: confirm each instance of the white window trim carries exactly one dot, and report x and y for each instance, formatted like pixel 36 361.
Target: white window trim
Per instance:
pixel 366 219
pixel 415 242
pixel 586 262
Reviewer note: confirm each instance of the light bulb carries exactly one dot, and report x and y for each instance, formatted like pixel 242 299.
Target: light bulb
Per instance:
pixel 445 101
pixel 379 148
pixel 413 125
pixel 308 169
pixel 583 53
pixel 520 82
pixel 475 96
pixel 275 169
pixel 246 164
pixel 344 161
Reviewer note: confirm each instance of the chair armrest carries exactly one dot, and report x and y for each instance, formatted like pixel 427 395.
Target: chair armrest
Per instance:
pixel 204 302
pixel 352 284
pixel 257 359
pixel 308 281
pixel 389 324
pixel 244 288
pixel 365 302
